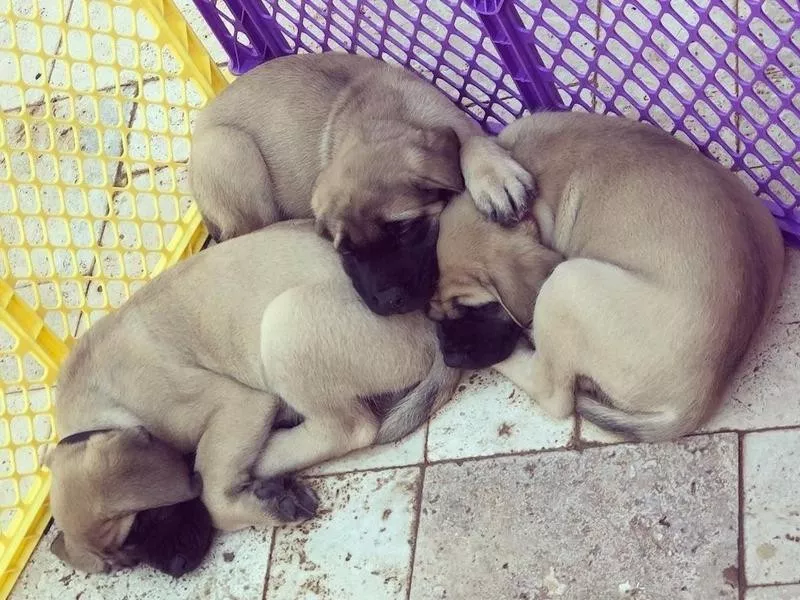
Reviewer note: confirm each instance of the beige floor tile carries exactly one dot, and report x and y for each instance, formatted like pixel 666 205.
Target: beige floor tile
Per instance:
pixel 488 415
pixel 236 568
pixel 780 592
pixel 359 547
pixel 649 521
pixel 771 468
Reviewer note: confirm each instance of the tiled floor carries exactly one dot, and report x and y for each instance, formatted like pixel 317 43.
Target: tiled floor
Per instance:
pixel 494 501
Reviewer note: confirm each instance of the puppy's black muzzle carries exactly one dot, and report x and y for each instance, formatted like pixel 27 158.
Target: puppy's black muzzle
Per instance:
pixel 173 539
pixel 483 336
pixel 397 273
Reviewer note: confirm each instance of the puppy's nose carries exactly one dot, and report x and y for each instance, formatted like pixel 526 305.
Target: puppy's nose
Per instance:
pixel 455 360
pixel 178 566
pixel 392 299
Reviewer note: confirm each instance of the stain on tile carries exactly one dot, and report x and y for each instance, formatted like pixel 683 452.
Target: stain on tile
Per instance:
pixel 656 521
pixel 359 547
pixel 771 507
pixel 489 415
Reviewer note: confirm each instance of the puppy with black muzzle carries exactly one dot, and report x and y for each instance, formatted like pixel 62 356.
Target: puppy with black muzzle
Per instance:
pixel 641 279
pixel 174 538
pixel 256 355
pixel 370 150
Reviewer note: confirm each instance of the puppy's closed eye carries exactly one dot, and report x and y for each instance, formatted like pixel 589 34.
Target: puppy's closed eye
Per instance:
pixel 408 231
pixel 488 310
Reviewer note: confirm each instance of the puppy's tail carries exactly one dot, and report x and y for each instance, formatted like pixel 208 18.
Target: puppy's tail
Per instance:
pixel 413 409
pixel 642 426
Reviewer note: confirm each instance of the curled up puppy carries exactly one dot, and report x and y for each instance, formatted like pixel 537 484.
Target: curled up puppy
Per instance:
pixel 370 150
pixel 641 279
pixel 258 356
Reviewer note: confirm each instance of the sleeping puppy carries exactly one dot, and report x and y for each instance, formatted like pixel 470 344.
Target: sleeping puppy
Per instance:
pixel 259 331
pixel 173 539
pixel 371 150
pixel 641 279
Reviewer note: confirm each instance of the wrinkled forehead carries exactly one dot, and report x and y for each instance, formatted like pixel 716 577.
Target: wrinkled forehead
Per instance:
pixel 366 220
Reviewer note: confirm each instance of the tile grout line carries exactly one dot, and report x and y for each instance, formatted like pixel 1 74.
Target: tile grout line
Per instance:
pixel 740 537
pixel 423 468
pixel 58 48
pixel 269 562
pixel 575 442
pixel 415 526
pixel 584 446
pixel 776 584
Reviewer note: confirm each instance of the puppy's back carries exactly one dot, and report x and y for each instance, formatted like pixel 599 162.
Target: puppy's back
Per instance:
pixel 204 311
pixel 630 195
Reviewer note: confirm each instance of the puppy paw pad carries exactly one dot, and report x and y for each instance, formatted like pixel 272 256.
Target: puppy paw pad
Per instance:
pixel 286 498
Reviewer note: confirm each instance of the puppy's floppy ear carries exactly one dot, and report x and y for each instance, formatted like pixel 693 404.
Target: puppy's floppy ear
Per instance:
pixel 322 205
pixel 139 494
pixel 148 474
pixel 440 168
pixel 516 280
pixel 515 298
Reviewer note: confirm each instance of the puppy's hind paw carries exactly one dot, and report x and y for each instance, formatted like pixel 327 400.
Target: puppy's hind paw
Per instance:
pixel 286 498
pixel 500 187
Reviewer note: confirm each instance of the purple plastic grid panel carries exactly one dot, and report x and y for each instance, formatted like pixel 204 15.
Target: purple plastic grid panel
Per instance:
pixel 503 25
pixel 441 40
pixel 244 43
pixel 722 75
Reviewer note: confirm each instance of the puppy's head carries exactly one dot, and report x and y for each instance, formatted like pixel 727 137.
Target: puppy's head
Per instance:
pixel 101 483
pixel 378 201
pixel 488 281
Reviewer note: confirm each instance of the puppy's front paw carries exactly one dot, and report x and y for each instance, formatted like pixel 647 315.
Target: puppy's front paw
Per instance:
pixel 286 498
pixel 500 187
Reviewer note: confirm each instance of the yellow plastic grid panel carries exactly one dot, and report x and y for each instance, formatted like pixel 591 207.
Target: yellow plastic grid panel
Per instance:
pixel 26 425
pixel 95 139
pixel 98 98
